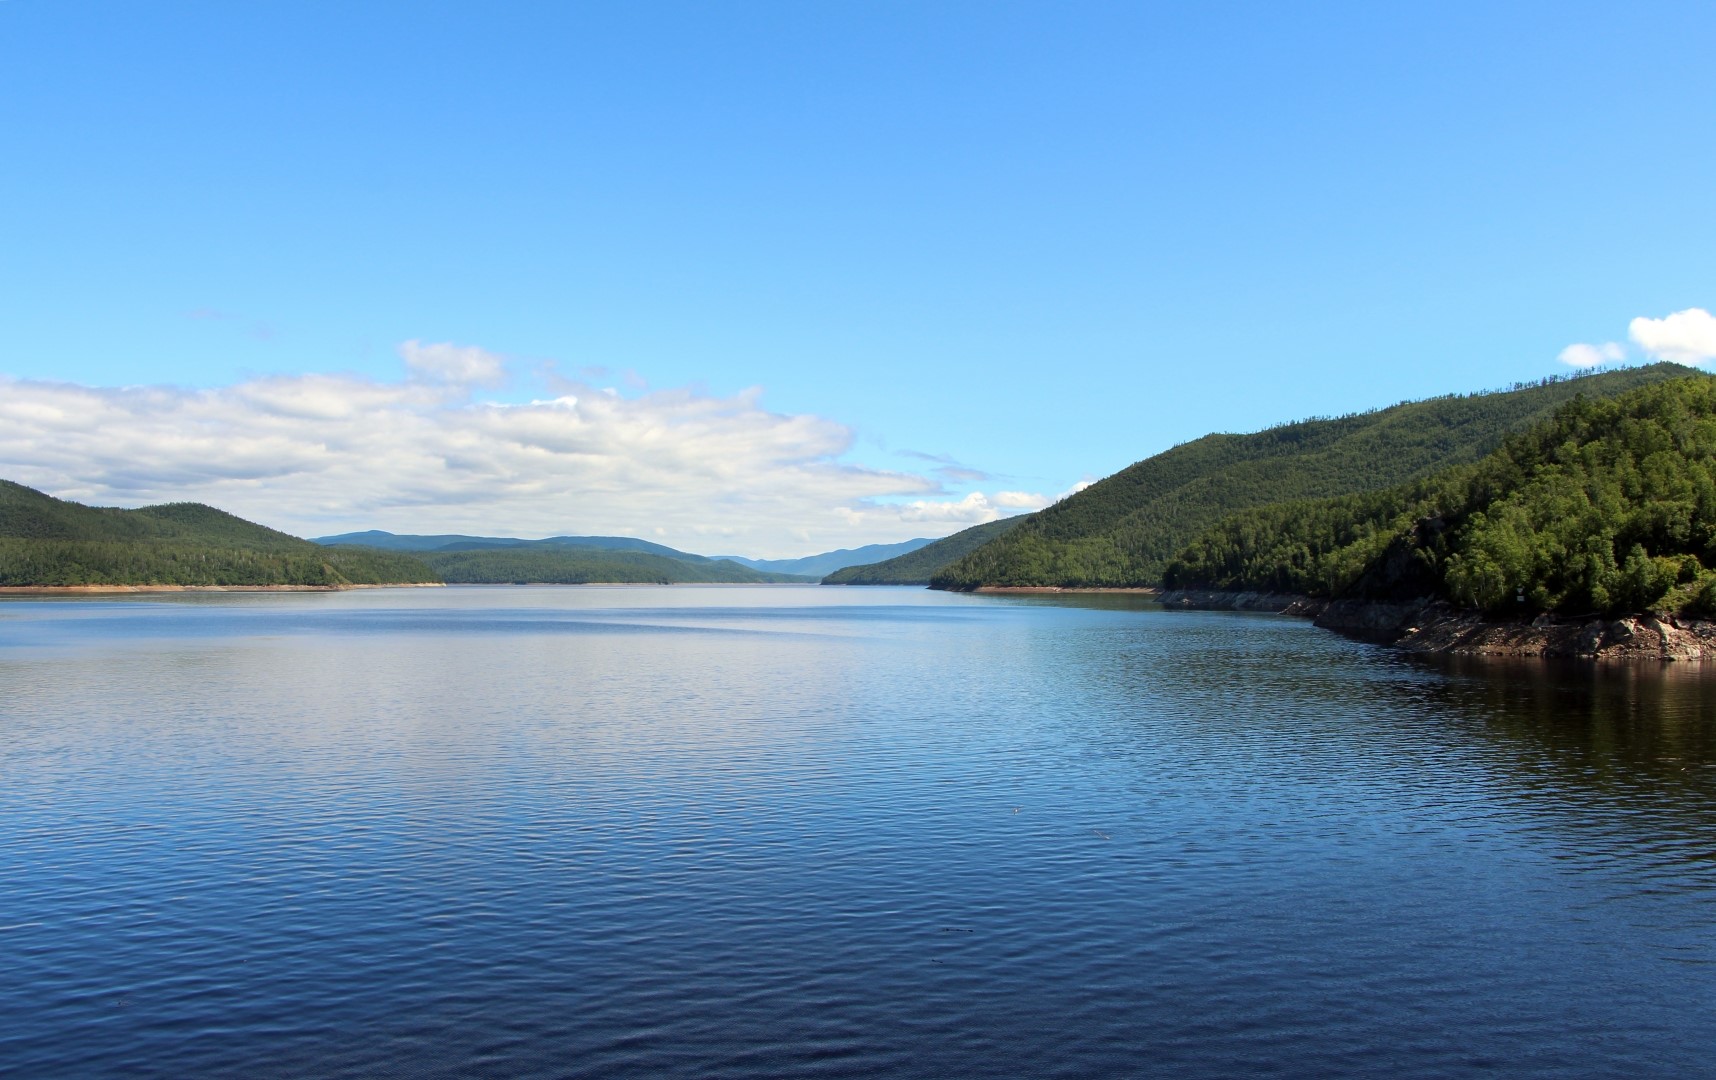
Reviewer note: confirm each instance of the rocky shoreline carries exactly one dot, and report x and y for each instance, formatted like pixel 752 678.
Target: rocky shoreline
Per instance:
pixel 1432 626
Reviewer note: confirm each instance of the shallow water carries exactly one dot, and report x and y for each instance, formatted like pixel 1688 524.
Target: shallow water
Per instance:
pixel 788 831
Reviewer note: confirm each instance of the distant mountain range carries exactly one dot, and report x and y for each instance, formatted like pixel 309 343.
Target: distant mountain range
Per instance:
pixel 830 561
pixel 387 541
pixel 54 543
pixel 809 567
pixel 569 560
pixel 917 566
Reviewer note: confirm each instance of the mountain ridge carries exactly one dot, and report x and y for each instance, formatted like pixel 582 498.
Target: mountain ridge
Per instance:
pixel 1123 530
pixel 918 567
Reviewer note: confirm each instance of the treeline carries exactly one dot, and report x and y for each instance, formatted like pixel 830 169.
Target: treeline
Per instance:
pixel 1608 507
pixel 159 562
pixel 1124 530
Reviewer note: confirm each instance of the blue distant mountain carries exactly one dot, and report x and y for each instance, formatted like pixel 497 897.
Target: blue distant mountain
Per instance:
pixel 830 561
pixel 809 566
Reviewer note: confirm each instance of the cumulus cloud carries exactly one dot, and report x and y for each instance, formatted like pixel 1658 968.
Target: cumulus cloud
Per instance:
pixel 973 508
pixel 1584 356
pixel 1685 337
pixel 318 453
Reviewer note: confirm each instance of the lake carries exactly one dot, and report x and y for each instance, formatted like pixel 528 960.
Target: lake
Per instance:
pixel 803 831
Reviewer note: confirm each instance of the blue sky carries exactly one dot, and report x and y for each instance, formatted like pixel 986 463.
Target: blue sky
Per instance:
pixel 838 273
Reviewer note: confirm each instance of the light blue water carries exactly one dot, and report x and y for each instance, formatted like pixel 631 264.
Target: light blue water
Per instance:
pixel 788 831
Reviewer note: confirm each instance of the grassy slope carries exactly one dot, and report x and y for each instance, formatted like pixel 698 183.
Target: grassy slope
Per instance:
pixel 1124 530
pixel 48 541
pixel 917 567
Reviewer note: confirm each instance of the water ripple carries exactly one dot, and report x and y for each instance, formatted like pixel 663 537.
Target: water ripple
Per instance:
pixel 790 832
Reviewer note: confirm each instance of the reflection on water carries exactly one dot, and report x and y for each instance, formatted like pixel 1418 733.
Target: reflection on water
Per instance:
pixel 790 831
pixel 1614 719
pixel 1618 760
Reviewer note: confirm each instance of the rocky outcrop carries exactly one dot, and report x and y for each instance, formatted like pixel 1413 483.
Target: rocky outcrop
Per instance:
pixel 1427 626
pixel 1631 637
pixel 1215 600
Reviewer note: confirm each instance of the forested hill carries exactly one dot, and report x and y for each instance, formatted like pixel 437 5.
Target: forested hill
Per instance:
pixel 1609 507
pixel 917 567
pixel 375 538
pixel 48 541
pixel 1124 530
pixel 545 563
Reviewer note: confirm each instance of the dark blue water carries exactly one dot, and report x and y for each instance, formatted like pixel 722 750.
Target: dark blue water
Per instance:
pixel 693 832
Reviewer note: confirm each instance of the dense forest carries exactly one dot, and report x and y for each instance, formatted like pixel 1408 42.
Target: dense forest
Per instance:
pixel 560 560
pixel 917 567
pixel 1608 507
pixel 52 542
pixel 1124 530
pixel 48 541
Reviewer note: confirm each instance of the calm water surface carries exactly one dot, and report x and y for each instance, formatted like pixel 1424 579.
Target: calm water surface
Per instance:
pixel 781 831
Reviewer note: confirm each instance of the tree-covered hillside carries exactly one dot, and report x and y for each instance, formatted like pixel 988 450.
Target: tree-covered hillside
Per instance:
pixel 1124 530
pixel 1608 507
pixel 48 541
pixel 918 567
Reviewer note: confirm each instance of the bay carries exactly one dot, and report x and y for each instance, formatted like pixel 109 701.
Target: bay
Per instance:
pixel 803 831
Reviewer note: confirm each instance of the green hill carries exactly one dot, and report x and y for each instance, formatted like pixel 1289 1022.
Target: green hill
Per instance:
pixel 1124 530
pixel 1608 507
pixel 48 541
pixel 917 567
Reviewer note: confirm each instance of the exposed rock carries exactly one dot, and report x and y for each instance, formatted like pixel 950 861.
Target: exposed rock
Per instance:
pixel 1214 600
pixel 1426 626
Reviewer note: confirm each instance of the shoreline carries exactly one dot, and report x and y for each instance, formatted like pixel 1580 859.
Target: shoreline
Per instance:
pixel 122 590
pixel 1428 626
pixel 1003 590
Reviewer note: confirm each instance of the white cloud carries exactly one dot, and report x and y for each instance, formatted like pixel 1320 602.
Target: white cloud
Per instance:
pixel 1686 337
pixel 316 454
pixel 974 508
pixel 461 365
pixel 1584 356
